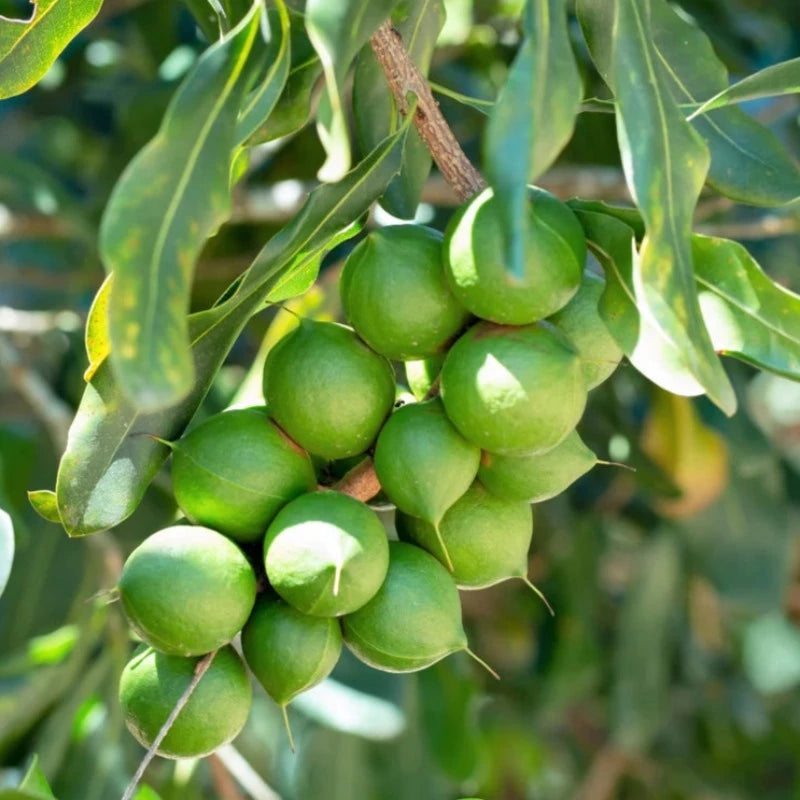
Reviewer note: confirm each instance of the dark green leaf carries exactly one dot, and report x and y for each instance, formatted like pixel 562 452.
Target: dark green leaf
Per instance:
pixel 6 548
pixel 644 646
pixel 665 164
pixel 45 505
pixel 748 315
pixel 28 48
pixel 418 23
pixel 110 460
pixel 262 100
pixel 778 79
pixel 645 344
pixel 337 31
pixel 172 196
pixel 533 118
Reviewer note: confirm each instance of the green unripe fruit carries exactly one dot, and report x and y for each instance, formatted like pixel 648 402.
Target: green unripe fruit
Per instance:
pixel 216 711
pixel 236 470
pixel 554 255
pixel 395 295
pixel 187 590
pixel 513 390
pixel 487 538
pixel 534 478
pixel 289 652
pixel 327 389
pixel 415 618
pixel 326 554
pixel 423 463
pixel 421 375
pixel 581 323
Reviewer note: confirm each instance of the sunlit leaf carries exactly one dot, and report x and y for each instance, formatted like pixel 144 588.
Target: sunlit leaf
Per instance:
pixel 110 458
pixel 6 548
pixel 44 504
pixel 532 119
pixel 337 31
pixel 28 48
pixel 169 200
pixel 96 337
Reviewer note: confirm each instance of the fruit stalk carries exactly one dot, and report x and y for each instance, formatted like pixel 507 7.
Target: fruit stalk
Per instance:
pixel 403 77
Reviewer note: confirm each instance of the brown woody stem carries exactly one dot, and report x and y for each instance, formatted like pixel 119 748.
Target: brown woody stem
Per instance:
pixel 403 77
pixel 361 482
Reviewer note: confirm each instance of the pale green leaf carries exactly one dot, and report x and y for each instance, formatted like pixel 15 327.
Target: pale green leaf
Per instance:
pixel 96 338
pixel 44 504
pixel 6 548
pixel 35 780
pixel 28 48
pixel 169 200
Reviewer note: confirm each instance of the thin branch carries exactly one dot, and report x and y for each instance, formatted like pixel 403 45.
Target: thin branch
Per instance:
pixel 245 775
pixel 200 669
pixel 403 77
pixel 224 784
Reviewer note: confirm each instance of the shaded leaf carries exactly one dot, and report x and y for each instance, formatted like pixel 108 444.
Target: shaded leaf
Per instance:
pixel 262 100
pixel 6 548
pixel 645 344
pixel 748 315
pixel 645 642
pixel 484 106
pixel 665 165
pixel 35 780
pixel 171 197
pixel 28 48
pixel 45 505
pixel 110 460
pixel 375 111
pixel 337 31
pixel 533 118
pixel 777 79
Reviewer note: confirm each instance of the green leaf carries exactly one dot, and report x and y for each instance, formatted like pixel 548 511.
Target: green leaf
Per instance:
pixel 772 81
pixel 261 101
pixel 375 112
pixel 665 164
pixel 748 315
pixel 172 197
pixel 644 646
pixel 35 780
pixel 6 548
pixel 645 344
pixel 110 460
pixel 28 48
pixel 484 106
pixel 533 118
pixel 44 504
pixel 337 31
pixel 96 337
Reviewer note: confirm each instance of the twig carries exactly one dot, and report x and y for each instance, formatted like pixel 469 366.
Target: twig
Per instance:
pixel 246 776
pixel 403 77
pixel 224 784
pixel 199 670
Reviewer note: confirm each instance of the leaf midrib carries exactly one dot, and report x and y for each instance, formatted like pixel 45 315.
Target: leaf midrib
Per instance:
pixel 30 25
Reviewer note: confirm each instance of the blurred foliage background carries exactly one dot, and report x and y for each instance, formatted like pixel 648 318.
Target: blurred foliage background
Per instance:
pixel 671 669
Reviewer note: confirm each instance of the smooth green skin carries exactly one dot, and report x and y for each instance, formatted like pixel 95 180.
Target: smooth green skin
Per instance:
pixel 394 293
pixel 287 651
pixel 316 536
pixel 413 621
pixel 420 375
pixel 513 390
pixel 581 323
pixel 187 590
pixel 422 462
pixel 215 713
pixel 327 389
pixel 486 537
pixel 534 478
pixel 236 470
pixel 555 254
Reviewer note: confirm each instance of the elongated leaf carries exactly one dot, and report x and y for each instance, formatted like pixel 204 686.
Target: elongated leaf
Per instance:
pixel 35 780
pixel 533 118
pixel 28 48
pixel 665 164
pixel 172 196
pixel 748 162
pixel 777 79
pixel 6 548
pixel 418 23
pixel 337 31
pixel 484 106
pixel 110 460
pixel 747 314
pixel 262 100
pixel 44 503
pixel 645 344
pixel 96 337
pixel 645 642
